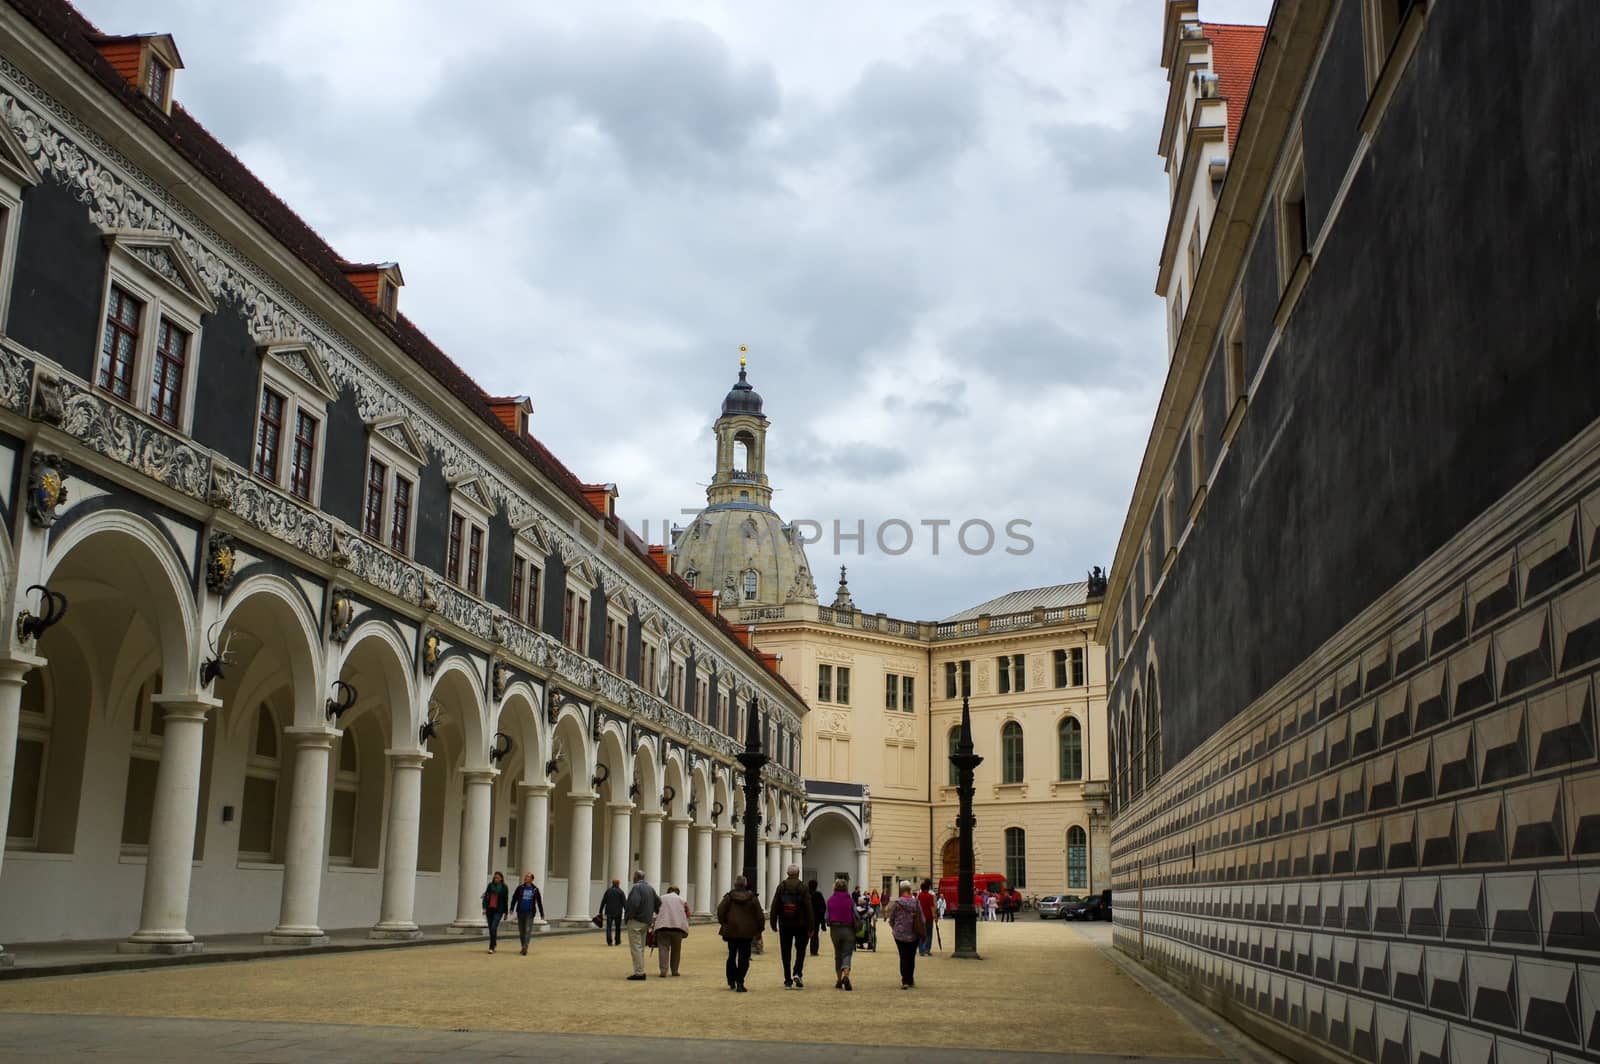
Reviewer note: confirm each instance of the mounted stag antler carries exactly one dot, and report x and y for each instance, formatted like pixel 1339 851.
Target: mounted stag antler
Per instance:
pixel 53 605
pixel 346 698
pixel 211 668
pixel 499 752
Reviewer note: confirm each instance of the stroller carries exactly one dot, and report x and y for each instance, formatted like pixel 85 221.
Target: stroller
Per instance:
pixel 866 927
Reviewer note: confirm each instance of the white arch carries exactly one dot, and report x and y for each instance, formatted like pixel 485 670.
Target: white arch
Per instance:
pixel 403 722
pixel 518 717
pixel 612 751
pixel 166 585
pixel 571 736
pixel 303 655
pixel 454 673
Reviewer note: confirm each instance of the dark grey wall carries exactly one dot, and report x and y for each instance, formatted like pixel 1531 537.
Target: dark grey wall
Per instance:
pixel 687 702
pixel 433 514
pixel 555 590
pixel 497 560
pixel 1443 347
pixel 597 622
pixel 344 470
pixel 60 277
pixel 225 387
pixel 1333 109
pixel 635 648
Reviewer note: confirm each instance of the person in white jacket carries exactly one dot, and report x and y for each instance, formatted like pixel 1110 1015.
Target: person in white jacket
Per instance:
pixel 672 924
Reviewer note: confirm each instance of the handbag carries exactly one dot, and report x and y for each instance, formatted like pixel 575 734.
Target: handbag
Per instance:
pixel 596 919
pixel 650 939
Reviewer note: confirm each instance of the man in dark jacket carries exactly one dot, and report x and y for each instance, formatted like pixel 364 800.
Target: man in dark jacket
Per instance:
pixel 525 902
pixel 640 911
pixel 792 920
pixel 739 917
pixel 612 903
pixel 819 915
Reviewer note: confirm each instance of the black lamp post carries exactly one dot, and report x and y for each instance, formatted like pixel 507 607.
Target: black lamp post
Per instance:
pixel 965 762
pixel 753 758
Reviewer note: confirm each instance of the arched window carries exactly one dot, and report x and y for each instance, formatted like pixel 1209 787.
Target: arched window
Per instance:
pixel 1152 753
pixel 1011 753
pixel 1016 858
pixel 258 818
pixel 1070 735
pixel 1135 751
pixel 954 744
pixel 1077 859
pixel 691 576
pixel 752 584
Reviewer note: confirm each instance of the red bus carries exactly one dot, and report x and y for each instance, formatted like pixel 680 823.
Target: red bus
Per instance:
pixel 981 881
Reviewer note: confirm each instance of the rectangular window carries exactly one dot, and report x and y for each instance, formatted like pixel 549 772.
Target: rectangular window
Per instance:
pixel 1013 676
pixel 400 530
pixel 302 463
pixel 517 574
pixel 580 633
pixel 27 781
pixel 372 516
pixel 566 617
pixel 824 683
pixel 120 343
pixel 1194 253
pixel 1061 668
pixel 474 558
pixel 452 554
pixel 269 434
pixel 611 642
pixel 649 662
pixel 1003 674
pixel 155 81
pixel 907 690
pixel 533 595
pixel 841 685
pixel 342 828
pixel 1198 466
pixel 1077 667
pixel 1235 348
pixel 1294 233
pixel 891 691
pixel 950 679
pixel 166 378
pixel 966 679
pixel 1016 858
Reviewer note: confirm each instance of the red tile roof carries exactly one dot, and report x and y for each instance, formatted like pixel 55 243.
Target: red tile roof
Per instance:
pixel 77 37
pixel 1235 50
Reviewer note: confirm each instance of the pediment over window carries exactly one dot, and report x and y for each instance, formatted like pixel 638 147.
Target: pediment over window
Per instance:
pixel 298 358
pixel 473 491
pixel 164 261
pixel 582 572
pixel 14 162
pixel 397 432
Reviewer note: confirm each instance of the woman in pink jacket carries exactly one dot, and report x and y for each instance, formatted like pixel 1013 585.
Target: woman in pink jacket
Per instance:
pixel 842 929
pixel 672 924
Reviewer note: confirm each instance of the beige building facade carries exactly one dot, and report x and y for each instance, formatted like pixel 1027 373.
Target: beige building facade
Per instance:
pixel 885 699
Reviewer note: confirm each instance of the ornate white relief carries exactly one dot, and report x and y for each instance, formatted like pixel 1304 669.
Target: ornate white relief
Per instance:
pixel 16 375
pixel 112 431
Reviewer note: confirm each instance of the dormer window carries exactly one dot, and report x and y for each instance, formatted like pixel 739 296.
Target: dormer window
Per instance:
pixel 379 282
pixel 387 295
pixel 157 81
pixel 145 61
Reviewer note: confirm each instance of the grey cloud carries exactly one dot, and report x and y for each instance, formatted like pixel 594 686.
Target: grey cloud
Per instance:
pixel 945 404
pixel 1031 350
pixel 911 121
pixel 1101 158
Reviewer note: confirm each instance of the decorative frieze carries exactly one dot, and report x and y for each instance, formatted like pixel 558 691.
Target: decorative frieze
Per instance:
pixel 108 429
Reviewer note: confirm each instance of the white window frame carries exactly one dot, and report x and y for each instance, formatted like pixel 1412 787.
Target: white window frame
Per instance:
pixel 146 745
pixel 468 498
pixel 180 298
pixel 402 457
pixel 346 782
pixel 257 766
pixel 532 609
pixel 16 172
pixel 281 369
pixel 35 726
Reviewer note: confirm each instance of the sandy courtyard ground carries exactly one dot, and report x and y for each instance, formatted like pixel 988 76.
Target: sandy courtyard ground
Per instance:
pixel 1041 986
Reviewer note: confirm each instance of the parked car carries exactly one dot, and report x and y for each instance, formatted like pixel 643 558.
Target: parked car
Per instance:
pixel 1054 906
pixel 1090 909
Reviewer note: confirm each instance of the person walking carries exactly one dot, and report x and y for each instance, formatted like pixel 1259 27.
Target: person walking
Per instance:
pixel 739 918
pixel 612 903
pixel 640 912
pixel 525 901
pixel 494 906
pixel 672 926
pixel 905 924
pixel 819 915
pixel 877 905
pixel 792 920
pixel 940 903
pixel 929 915
pixel 904 919
pixel 990 904
pixel 841 913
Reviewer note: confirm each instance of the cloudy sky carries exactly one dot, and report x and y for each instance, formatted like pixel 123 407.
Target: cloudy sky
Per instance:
pixel 934 223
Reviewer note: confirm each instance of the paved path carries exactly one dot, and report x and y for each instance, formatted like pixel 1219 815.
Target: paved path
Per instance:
pixel 147 1041
pixel 1044 991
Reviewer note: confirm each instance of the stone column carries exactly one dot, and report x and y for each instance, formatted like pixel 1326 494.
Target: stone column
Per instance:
pixel 395 913
pixel 760 884
pixel 774 868
pixel 578 859
pixel 472 866
pixel 785 859
pixel 621 857
pixel 724 865
pixel 863 869
pixel 12 670
pixel 679 872
pixel 703 901
pixel 306 845
pixel 650 848
pixel 535 828
pixel 169 862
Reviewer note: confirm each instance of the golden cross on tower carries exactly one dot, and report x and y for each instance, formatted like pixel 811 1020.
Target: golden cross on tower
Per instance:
pixel 743 350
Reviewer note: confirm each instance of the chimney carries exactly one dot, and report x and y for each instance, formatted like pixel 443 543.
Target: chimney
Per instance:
pixel 513 411
pixel 380 282
pixel 707 600
pixel 147 61
pixel 658 554
pixel 602 497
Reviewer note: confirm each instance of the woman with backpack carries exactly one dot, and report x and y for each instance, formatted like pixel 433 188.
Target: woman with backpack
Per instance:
pixel 907 927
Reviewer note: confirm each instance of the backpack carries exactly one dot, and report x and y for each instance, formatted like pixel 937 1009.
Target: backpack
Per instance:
pixel 792 907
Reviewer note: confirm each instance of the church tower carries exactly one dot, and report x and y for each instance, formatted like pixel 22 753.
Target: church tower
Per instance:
pixel 738 546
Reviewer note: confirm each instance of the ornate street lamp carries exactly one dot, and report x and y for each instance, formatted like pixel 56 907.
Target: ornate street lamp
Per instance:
pixel 965 762
pixel 753 759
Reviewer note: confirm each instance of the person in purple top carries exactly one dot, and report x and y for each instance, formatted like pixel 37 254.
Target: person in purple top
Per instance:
pixel 841 917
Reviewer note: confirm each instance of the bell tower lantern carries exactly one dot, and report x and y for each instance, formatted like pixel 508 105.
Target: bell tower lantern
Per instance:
pixel 741 432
